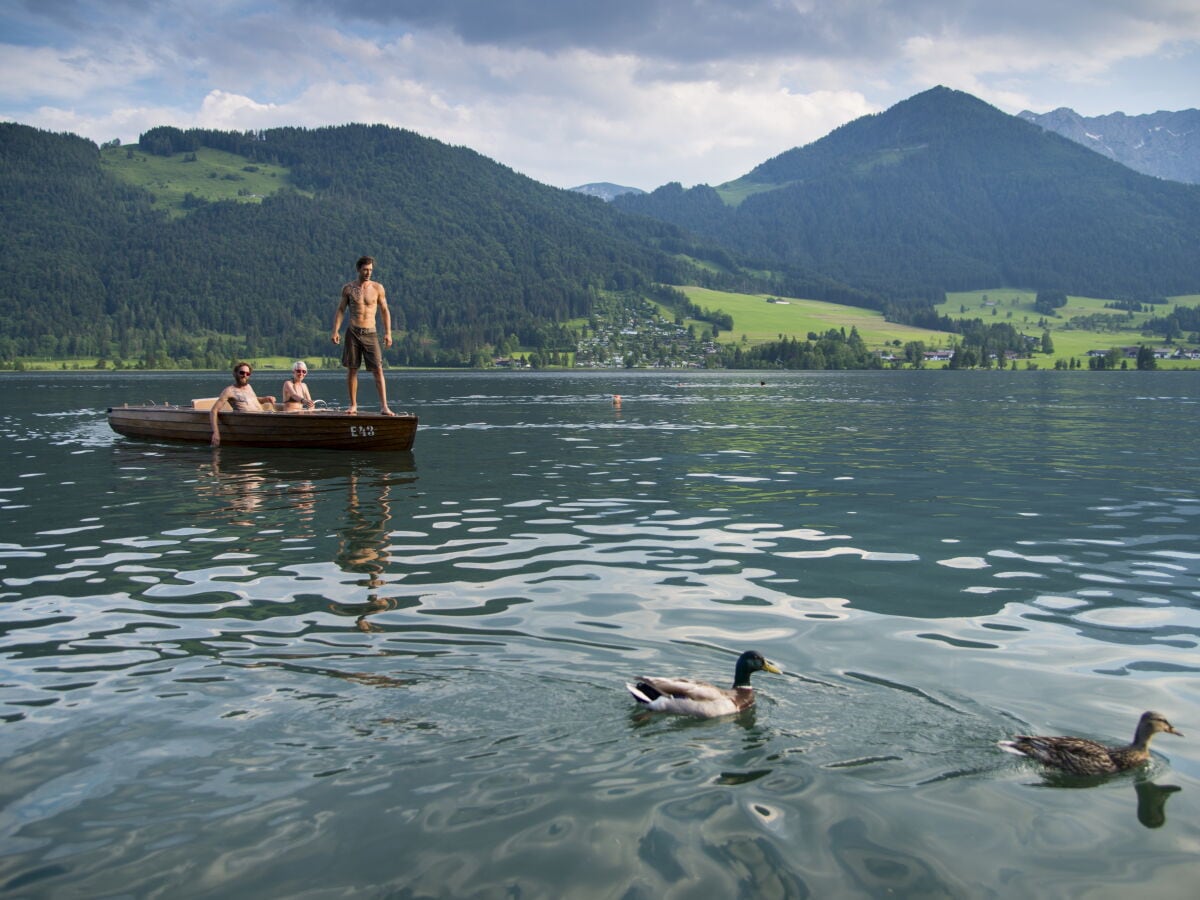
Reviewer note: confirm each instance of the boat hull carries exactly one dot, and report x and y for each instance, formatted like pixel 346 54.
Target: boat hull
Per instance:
pixel 317 430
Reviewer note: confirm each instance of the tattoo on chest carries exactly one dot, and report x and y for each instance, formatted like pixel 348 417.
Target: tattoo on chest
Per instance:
pixel 359 295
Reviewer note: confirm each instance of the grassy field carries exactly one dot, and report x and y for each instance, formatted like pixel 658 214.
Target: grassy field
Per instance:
pixel 208 174
pixel 734 192
pixel 1070 341
pixel 759 321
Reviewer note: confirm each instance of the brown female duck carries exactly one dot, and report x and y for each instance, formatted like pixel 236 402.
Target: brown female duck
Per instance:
pixel 1080 756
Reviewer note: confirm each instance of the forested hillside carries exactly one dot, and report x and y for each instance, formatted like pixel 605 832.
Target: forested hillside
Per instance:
pixel 943 191
pixel 471 252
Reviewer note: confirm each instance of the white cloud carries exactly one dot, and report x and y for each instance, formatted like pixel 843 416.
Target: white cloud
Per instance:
pixel 1039 58
pixel 224 111
pixel 579 116
pixel 651 91
pixel 46 73
pixel 123 124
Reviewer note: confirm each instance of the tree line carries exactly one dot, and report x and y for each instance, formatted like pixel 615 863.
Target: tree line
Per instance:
pixel 471 253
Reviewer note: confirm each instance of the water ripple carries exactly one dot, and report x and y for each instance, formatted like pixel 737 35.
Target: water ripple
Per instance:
pixel 301 674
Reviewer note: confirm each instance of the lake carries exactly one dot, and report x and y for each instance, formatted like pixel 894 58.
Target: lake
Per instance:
pixel 251 674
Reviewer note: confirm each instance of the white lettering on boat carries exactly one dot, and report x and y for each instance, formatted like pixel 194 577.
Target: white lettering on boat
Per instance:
pixel 362 431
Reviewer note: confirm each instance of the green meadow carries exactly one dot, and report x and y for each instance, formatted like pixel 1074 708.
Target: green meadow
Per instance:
pixel 734 192
pixel 206 174
pixel 1072 336
pixel 759 321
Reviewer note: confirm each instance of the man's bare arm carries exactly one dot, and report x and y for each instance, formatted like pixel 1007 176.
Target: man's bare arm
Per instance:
pixel 387 317
pixel 213 410
pixel 337 319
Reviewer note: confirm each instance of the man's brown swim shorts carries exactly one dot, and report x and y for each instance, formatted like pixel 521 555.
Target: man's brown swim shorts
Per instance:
pixel 362 349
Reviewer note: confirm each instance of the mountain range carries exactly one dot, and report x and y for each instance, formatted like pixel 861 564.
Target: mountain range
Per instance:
pixel 940 192
pixel 606 190
pixel 1164 144
pixel 944 192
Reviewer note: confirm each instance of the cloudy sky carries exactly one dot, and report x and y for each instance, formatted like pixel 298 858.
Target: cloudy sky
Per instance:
pixel 637 92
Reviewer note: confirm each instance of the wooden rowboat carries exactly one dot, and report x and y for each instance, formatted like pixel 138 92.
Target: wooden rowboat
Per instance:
pixel 314 430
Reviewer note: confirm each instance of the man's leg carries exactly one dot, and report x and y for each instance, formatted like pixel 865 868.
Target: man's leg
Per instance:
pixel 381 386
pixel 352 389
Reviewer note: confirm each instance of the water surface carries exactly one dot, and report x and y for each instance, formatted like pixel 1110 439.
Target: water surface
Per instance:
pixel 237 673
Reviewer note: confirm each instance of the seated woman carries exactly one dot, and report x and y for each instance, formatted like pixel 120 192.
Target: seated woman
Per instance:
pixel 295 392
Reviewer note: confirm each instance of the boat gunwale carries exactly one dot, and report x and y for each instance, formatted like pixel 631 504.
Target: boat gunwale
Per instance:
pixel 309 429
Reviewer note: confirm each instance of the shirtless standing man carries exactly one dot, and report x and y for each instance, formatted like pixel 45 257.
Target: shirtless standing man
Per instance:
pixel 238 396
pixel 364 298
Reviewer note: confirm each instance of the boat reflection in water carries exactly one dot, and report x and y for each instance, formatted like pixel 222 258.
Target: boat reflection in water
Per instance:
pixel 351 498
pixel 286 507
pixel 243 491
pixel 363 542
pixel 286 489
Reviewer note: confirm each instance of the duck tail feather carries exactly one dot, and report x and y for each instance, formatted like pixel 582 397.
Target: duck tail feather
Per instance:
pixel 638 694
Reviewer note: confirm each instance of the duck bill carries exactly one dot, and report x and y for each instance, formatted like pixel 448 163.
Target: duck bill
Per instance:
pixel 774 669
pixel 1171 728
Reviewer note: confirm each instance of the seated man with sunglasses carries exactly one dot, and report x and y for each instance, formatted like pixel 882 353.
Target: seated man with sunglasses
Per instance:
pixel 239 396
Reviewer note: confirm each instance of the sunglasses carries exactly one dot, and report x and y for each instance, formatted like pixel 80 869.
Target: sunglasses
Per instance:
pixel 243 373
pixel 300 371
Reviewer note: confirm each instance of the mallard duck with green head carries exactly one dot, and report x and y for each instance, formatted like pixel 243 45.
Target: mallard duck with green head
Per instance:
pixel 688 697
pixel 1079 756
